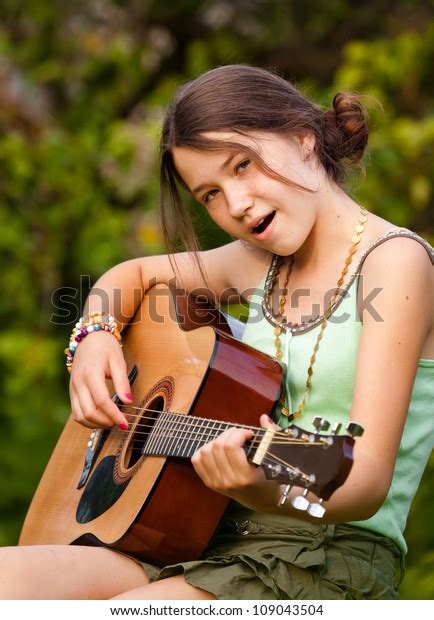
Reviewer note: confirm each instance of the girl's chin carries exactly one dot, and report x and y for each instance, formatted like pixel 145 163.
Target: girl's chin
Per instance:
pixel 282 248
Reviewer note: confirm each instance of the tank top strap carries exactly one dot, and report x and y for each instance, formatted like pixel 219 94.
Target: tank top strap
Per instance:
pixel 272 274
pixel 391 234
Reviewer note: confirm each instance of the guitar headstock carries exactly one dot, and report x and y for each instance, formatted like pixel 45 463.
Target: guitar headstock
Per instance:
pixel 311 460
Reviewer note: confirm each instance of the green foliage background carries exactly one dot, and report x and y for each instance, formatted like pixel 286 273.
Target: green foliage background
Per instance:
pixel 82 90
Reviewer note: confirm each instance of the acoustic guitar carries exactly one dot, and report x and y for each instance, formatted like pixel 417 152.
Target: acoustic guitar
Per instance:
pixel 136 490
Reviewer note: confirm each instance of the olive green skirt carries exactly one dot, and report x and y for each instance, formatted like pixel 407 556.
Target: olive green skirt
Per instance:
pixel 271 557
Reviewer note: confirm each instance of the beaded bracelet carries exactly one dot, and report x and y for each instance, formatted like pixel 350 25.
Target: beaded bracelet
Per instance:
pixel 97 321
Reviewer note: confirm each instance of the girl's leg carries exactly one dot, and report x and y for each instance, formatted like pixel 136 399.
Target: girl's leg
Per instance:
pixel 170 589
pixel 66 572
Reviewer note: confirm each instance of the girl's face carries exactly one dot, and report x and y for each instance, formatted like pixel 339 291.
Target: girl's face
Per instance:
pixel 238 195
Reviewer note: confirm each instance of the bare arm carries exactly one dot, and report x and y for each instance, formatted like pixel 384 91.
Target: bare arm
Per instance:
pixel 229 271
pixel 119 293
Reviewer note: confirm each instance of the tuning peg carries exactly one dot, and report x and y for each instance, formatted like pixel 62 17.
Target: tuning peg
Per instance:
pixel 316 510
pixel 336 428
pixel 284 495
pixel 321 424
pixel 355 430
pixel 300 502
pixel 275 470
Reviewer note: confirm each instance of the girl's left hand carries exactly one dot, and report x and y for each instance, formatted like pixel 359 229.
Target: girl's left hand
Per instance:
pixel 223 467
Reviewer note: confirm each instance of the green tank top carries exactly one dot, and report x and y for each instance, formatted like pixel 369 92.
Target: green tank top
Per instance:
pixel 332 386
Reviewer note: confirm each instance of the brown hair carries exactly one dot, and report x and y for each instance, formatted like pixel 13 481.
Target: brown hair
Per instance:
pixel 242 98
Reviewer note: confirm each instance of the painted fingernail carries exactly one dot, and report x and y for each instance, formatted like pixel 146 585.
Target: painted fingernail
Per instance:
pixel 128 396
pixel 123 426
pixel 273 423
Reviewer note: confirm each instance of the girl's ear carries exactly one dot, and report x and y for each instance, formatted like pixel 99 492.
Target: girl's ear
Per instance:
pixel 306 141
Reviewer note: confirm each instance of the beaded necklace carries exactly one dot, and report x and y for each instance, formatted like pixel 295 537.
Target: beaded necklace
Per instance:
pixel 280 320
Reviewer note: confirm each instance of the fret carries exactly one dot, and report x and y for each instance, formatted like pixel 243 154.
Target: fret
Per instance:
pixel 218 428
pixel 182 435
pixel 176 425
pixel 183 432
pixel 168 436
pixel 223 427
pixel 208 435
pixel 180 425
pixel 151 443
pixel 185 436
pixel 196 441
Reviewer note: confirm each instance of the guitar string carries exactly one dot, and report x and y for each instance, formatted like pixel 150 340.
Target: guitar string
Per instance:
pixel 189 436
pixel 189 432
pixel 181 415
pixel 185 436
pixel 273 457
pixel 187 418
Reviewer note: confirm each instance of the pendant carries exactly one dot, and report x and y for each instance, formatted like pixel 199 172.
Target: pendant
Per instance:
pixel 294 416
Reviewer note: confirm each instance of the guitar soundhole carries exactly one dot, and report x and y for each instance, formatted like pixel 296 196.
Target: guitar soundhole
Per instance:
pixel 142 431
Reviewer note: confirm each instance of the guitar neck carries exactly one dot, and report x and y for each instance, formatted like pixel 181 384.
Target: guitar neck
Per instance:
pixel 181 436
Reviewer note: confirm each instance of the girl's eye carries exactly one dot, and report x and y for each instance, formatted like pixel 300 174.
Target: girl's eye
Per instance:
pixel 209 195
pixel 243 165
pixel 239 168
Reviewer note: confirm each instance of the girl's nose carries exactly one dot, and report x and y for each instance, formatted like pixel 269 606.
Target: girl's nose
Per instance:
pixel 239 203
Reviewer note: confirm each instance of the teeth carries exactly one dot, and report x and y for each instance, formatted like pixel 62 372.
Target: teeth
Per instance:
pixel 259 223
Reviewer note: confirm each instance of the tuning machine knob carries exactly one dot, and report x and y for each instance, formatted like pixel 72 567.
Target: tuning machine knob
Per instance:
pixel 301 502
pixel 316 510
pixel 354 430
pixel 321 424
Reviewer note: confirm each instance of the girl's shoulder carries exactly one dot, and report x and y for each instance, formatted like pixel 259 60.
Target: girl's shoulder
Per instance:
pixel 406 244
pixel 398 264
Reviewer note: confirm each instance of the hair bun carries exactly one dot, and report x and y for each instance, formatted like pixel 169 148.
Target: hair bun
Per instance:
pixel 350 117
pixel 345 128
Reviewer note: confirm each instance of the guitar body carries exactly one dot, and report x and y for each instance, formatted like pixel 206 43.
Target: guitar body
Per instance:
pixel 152 507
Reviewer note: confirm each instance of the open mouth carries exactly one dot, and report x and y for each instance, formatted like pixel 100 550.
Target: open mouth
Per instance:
pixel 264 224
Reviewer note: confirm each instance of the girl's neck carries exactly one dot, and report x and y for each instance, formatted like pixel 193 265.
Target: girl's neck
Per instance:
pixel 329 240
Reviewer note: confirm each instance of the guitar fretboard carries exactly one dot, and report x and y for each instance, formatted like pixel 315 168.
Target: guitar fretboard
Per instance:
pixel 180 435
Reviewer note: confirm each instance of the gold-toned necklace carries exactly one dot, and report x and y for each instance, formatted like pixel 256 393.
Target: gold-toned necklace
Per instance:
pixel 280 321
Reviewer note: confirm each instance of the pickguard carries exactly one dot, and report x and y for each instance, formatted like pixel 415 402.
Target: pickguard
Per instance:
pixel 101 492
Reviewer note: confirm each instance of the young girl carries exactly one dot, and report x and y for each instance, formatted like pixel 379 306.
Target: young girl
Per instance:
pixel 353 322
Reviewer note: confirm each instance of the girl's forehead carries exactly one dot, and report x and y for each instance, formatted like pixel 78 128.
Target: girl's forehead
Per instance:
pixel 189 155
pixel 252 138
pixel 256 140
pixel 192 163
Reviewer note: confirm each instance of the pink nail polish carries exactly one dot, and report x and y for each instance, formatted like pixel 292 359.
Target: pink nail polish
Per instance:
pixel 128 396
pixel 123 426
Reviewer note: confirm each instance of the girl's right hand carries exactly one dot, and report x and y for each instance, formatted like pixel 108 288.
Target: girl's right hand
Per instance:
pixel 99 357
